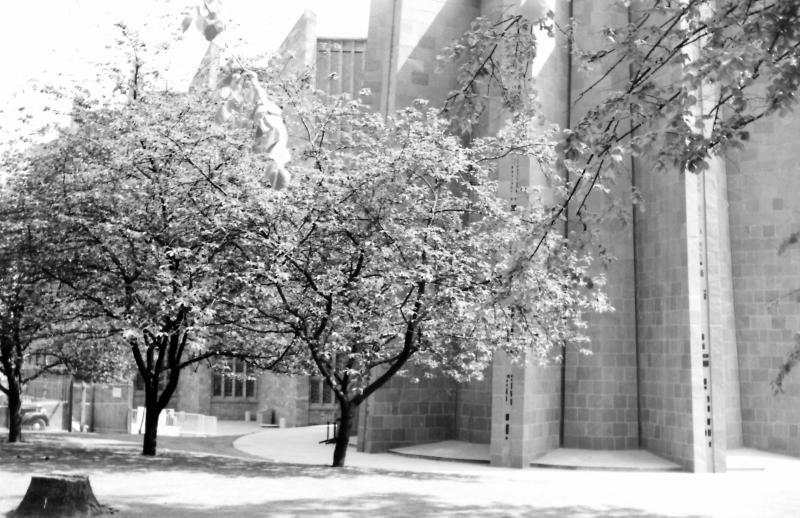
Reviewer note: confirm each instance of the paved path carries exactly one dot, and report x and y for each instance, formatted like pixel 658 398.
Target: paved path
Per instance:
pixel 302 446
pixel 760 485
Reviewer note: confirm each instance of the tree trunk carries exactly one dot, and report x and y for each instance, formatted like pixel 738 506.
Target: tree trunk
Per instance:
pixel 14 407
pixel 150 425
pixel 154 404
pixel 343 433
pixel 59 495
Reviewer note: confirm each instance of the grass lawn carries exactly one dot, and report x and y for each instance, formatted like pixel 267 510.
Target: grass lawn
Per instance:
pixel 209 478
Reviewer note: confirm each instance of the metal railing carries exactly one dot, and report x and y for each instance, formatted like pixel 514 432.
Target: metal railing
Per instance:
pixel 172 423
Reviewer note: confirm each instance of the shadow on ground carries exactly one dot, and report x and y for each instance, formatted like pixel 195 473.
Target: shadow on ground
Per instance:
pixel 390 505
pixel 215 444
pixel 44 454
pixel 316 498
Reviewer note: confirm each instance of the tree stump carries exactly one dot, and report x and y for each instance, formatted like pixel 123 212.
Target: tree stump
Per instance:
pixel 59 495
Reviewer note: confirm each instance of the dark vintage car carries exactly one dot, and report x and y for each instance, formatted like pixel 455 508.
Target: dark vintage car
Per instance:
pixel 34 417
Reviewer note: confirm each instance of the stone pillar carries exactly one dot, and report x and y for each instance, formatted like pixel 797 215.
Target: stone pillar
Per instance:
pixel 404 38
pixel 716 412
pixel 689 376
pixel 473 410
pixel 508 446
pixel 525 411
pixel 700 379
pixel 526 396
pixel 714 376
pixel 300 43
pixel 722 321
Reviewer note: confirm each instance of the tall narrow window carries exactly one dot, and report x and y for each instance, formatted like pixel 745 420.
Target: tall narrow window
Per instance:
pixel 314 390
pixel 319 392
pixel 238 381
pixel 327 393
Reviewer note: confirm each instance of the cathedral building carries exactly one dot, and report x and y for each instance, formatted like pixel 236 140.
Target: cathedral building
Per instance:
pixel 681 368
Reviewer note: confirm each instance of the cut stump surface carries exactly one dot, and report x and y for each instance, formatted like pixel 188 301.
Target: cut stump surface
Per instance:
pixel 59 495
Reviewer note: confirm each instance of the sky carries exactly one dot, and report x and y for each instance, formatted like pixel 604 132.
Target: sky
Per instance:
pixel 63 42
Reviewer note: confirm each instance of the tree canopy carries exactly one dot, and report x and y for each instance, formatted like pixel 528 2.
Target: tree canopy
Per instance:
pixel 160 220
pixel 42 328
pixel 141 207
pixel 394 248
pixel 690 78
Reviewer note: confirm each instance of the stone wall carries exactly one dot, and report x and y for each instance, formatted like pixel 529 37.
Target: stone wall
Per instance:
pixel 663 314
pixel 284 397
pixel 526 411
pixel 226 409
pixel 543 409
pixel 380 53
pixel 404 38
pixel 300 45
pixel 601 399
pixel 688 384
pixel 425 27
pixel 402 413
pixel 194 391
pixel 763 187
pixel 473 417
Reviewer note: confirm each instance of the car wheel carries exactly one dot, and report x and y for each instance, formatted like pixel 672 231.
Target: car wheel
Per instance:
pixel 38 425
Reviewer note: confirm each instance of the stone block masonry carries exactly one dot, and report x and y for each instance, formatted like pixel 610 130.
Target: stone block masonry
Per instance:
pixel 526 411
pixel 705 307
pixel 601 399
pixel 473 412
pixel 404 412
pixel 283 397
pixel 662 293
pixel 404 39
pixel 763 187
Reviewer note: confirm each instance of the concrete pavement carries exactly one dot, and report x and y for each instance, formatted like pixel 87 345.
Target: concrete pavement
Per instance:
pixel 757 485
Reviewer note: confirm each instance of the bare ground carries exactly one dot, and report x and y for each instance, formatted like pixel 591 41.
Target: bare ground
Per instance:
pixel 210 478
